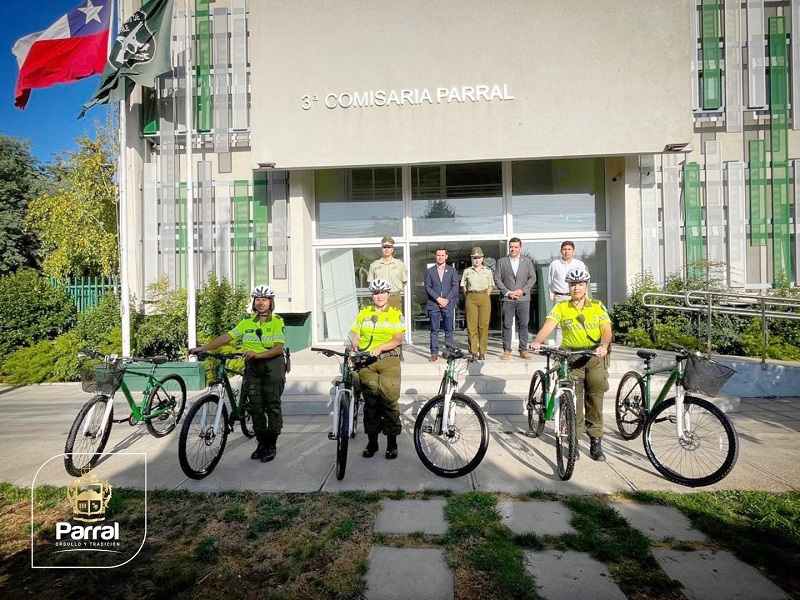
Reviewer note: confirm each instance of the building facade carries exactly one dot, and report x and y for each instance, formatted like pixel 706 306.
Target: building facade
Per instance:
pixel 655 134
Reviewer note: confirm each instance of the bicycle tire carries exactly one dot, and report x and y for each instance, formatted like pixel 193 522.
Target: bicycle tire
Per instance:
pixel 342 439
pixel 536 412
pixel 567 441
pixel 199 446
pixel 89 445
pixel 710 440
pixel 245 418
pixel 629 407
pixel 456 453
pixel 170 391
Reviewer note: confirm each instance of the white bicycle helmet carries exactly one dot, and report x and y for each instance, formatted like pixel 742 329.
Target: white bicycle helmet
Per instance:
pixel 576 275
pixel 380 285
pixel 261 291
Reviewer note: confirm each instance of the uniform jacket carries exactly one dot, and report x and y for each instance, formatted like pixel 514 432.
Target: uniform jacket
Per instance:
pixel 505 280
pixel 446 288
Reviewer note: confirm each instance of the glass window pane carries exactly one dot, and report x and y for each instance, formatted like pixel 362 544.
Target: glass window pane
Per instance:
pixel 354 203
pixel 457 199
pixel 558 195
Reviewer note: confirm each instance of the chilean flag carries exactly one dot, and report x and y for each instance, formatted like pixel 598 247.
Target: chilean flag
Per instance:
pixel 72 48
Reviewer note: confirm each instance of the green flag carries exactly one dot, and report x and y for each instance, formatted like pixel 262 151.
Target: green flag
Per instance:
pixel 141 52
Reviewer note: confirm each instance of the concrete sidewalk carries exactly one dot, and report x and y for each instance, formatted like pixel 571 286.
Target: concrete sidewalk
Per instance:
pixel 36 420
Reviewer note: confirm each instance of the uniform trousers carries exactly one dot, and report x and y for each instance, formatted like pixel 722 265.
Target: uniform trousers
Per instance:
pixel 265 382
pixel 591 375
pixel 380 387
pixel 479 311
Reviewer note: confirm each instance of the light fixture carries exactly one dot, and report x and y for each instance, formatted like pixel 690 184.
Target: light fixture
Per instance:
pixel 680 147
pixel 266 165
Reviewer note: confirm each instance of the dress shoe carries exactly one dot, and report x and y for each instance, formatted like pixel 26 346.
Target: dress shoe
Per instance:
pixel 433 358
pixel 506 355
pixel 525 354
pixel 481 357
pixel 595 450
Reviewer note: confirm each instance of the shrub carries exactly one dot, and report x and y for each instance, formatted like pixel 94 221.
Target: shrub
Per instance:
pixel 163 330
pixel 220 306
pixel 32 310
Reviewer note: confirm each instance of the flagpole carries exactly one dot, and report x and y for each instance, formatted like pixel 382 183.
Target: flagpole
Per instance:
pixel 191 312
pixel 125 296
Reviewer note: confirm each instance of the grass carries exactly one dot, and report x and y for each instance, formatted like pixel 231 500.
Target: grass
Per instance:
pixel 250 545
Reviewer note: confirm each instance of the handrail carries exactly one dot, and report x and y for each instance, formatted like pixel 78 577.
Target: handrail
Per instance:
pixel 756 305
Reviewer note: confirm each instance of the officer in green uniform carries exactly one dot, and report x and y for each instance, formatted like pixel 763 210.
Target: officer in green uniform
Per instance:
pixel 263 337
pixel 477 283
pixel 391 269
pixel 380 329
pixel 586 326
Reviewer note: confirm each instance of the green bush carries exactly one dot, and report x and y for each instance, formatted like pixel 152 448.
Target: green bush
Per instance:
pixel 163 330
pixel 220 306
pixel 32 310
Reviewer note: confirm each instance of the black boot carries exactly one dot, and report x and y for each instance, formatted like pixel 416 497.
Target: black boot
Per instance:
pixel 270 448
pixel 391 446
pixel 595 450
pixel 372 445
pixel 262 443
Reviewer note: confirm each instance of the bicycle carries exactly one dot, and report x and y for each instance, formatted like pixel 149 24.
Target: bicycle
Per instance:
pixel 687 439
pixel 163 401
pixel 347 401
pixel 207 425
pixel 451 434
pixel 551 396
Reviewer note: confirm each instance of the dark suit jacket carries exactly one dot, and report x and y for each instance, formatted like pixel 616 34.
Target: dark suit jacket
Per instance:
pixel 505 280
pixel 447 288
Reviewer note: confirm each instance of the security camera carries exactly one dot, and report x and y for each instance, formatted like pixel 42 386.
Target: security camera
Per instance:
pixel 616 177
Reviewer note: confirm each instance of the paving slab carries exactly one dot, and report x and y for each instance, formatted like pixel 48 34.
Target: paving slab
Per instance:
pixel 410 516
pixel 716 575
pixel 659 523
pixel 571 576
pixel 537 517
pixel 403 573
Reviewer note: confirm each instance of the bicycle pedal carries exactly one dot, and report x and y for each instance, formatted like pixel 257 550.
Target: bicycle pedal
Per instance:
pixel 332 436
pixel 428 429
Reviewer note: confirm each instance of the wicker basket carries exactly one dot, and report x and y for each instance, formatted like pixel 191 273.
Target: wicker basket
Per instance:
pixel 101 378
pixel 705 376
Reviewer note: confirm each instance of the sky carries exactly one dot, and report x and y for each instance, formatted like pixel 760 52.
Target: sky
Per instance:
pixel 49 120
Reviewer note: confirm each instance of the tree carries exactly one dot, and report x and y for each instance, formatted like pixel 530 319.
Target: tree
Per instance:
pixel 77 223
pixel 21 180
pixel 439 209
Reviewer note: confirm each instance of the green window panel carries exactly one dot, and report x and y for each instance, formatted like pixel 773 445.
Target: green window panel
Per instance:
pixel 149 111
pixel 709 49
pixel 241 232
pixel 260 229
pixel 182 231
pixel 693 211
pixel 757 185
pixel 203 107
pixel 779 141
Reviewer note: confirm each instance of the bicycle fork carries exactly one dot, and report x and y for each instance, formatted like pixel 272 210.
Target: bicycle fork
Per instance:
pixel 104 420
pixel 342 395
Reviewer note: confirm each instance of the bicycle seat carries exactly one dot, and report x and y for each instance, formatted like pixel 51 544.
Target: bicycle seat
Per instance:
pixel 645 354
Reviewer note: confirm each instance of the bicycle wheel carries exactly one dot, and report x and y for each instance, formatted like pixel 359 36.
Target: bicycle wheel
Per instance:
pixel 342 439
pixel 464 437
pixel 705 453
pixel 86 440
pixel 169 392
pixel 536 405
pixel 200 446
pixel 245 418
pixel 566 437
pixel 629 407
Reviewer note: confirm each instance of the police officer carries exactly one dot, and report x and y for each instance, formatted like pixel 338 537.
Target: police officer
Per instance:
pixel 477 283
pixel 380 329
pixel 586 326
pixel 263 337
pixel 391 269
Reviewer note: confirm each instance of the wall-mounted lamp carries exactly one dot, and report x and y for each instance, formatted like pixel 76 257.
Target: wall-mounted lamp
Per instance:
pixel 616 177
pixel 267 165
pixel 681 147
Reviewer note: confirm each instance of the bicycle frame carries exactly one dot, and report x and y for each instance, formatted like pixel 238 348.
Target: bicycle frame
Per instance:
pixel 448 387
pixel 344 393
pixel 558 378
pixel 675 378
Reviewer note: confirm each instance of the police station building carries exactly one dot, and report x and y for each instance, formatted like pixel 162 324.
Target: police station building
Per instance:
pixel 652 133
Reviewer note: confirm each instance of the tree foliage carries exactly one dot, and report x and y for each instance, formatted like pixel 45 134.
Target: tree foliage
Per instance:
pixel 77 223
pixel 21 180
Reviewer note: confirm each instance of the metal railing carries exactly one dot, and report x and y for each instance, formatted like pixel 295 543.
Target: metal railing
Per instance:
pixel 87 291
pixel 726 303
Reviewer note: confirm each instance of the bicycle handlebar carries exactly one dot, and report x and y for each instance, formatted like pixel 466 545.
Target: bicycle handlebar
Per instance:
pixel 456 353
pixel 563 352
pixel 360 359
pixel 221 356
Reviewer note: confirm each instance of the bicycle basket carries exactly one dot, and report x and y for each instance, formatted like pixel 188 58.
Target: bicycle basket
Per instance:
pixel 101 378
pixel 705 376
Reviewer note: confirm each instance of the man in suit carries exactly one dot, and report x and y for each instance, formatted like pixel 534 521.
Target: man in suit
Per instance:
pixel 441 285
pixel 515 276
